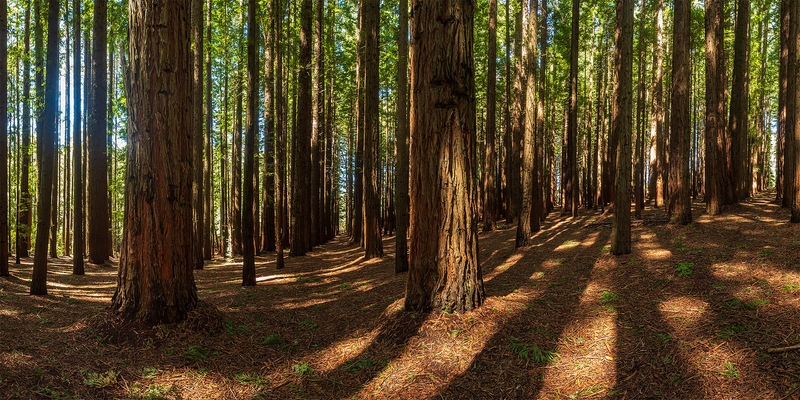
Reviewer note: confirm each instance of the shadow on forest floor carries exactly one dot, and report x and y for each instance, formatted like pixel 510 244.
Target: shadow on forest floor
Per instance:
pixel 689 313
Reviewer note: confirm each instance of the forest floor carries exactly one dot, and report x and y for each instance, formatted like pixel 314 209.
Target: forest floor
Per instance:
pixel 689 314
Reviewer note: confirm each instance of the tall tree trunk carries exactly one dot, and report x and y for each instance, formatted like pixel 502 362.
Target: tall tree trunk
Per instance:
pixel 280 137
pixel 357 213
pixel 156 283
pixel 248 225
pixel 540 202
pixel 99 233
pixel 444 271
pixel 223 164
pixel 301 143
pixel 518 114
pixel 783 128
pixel 794 111
pixel 638 176
pixel 268 217
pixel 791 114
pixel 24 209
pixel 197 132
pixel 4 138
pixel 373 247
pixel 621 124
pixel 318 127
pixel 740 101
pixel 78 184
pixel 714 138
pixel 680 202
pixel 658 152
pixel 401 143
pixel 529 220
pixel 207 207
pixel 235 216
pixel 507 139
pixel 46 140
pixel 571 192
pixel 489 192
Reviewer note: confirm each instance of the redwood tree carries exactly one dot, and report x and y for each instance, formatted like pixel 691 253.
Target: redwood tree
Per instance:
pixel 528 219
pixel 78 184
pixel 248 225
pixel 490 209
pixel 714 126
pixel 622 125
pixel 46 141
pixel 197 131
pixel 301 143
pixel 680 202
pixel 373 247
pixel 156 283
pixel 401 143
pixel 99 233
pixel 570 173
pixel 444 271
pixel 740 102
pixel 3 138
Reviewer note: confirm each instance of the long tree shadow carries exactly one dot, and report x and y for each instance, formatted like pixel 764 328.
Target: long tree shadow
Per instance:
pixel 552 278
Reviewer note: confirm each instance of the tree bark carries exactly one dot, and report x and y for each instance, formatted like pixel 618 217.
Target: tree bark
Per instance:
pixel 783 128
pixel 4 236
pixel 444 271
pixel 621 124
pixel 528 219
pixel 301 143
pixel 208 206
pixel 46 141
pixel 24 209
pixel 197 132
pixel 373 247
pixel 99 234
pixel 268 217
pixel 571 189
pixel 401 143
pixel 248 226
pixel 680 202
pixel 280 137
pixel 740 101
pixel 714 137
pixel 658 152
pixel 518 114
pixel 155 282
pixel 794 111
pixel 318 128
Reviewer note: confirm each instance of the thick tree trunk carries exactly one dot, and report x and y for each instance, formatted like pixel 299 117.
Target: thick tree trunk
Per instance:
pixel 280 137
pixel 444 271
pixel 714 125
pixel 570 173
pixel 373 247
pixel 542 189
pixel 401 143
pixel 489 193
pixel 680 202
pixel 638 175
pixel 223 165
pixel 528 221
pixel 783 81
pixel 248 194
pixel 235 216
pixel 78 184
pixel 658 142
pixel 621 124
pixel 793 108
pixel 99 234
pixel 301 143
pixel 268 196
pixel 518 114
pixel 318 129
pixel 156 283
pixel 208 188
pixel 740 101
pixel 46 140
pixel 789 142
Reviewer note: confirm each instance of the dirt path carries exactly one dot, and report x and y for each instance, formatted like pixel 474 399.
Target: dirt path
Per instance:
pixel 689 314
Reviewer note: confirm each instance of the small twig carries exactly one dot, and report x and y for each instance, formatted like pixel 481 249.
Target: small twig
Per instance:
pixel 783 349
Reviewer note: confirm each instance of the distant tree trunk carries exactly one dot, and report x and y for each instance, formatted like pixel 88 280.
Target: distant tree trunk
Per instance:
pixel 542 188
pixel 714 125
pixel 783 127
pixel 46 141
pixel 208 206
pixel 54 200
pixel 156 283
pixel 280 137
pixel 622 121
pixel 680 202
pixel 78 184
pixel 401 143
pixel 789 143
pixel 356 211
pixel 197 132
pixel 4 138
pixel 507 139
pixel 444 271
pixel 236 170
pixel 99 233
pixel 571 188
pixel 301 143
pixel 638 175
pixel 318 128
pixel 489 192
pixel 528 221
pixel 24 208
pixel 223 164
pixel 268 218
pixel 248 225
pixel 518 115
pixel 373 247
pixel 740 101
pixel 658 152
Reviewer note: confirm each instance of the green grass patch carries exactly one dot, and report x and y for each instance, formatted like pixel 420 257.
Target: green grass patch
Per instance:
pixel 196 353
pixel 684 269
pixel 730 370
pixel 608 297
pixel 252 379
pixel 97 381
pixel 272 340
pixel 790 288
pixel 150 372
pixel 526 351
pixel 302 369
pixel 735 329
pixel 310 325
pixel 355 366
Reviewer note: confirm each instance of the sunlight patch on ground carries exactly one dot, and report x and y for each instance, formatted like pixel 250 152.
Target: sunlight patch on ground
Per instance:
pixel 657 254
pixel 727 270
pixel 680 312
pixel 508 263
